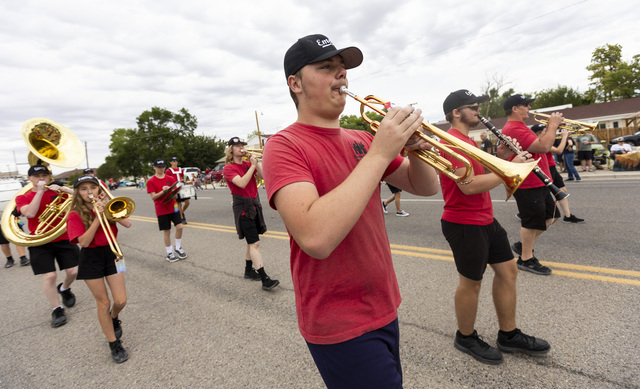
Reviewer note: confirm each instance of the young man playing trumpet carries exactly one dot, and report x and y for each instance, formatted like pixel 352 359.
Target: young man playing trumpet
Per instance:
pixel 166 211
pixel 44 257
pixel 347 294
pixel 477 239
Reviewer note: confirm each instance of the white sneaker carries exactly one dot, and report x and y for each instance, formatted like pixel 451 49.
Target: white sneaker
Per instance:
pixel 402 213
pixel 384 208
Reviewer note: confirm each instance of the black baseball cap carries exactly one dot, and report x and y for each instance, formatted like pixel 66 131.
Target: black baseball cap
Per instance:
pixel 537 128
pixel 461 97
pixel 35 169
pixel 515 100
pixel 88 171
pixel 173 159
pixel 159 163
pixel 236 141
pixel 82 179
pixel 316 48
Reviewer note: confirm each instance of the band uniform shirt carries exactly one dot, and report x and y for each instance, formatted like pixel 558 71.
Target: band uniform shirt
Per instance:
pixel 231 170
pixel 520 132
pixel 47 198
pixel 178 173
pixel 354 290
pixel 75 229
pixel 154 185
pixel 458 207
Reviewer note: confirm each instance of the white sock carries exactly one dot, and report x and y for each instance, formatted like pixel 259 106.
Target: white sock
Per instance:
pixel 178 244
pixel 62 288
pixel 169 249
pixel 59 306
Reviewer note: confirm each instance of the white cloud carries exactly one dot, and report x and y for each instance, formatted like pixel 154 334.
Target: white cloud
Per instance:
pixel 96 66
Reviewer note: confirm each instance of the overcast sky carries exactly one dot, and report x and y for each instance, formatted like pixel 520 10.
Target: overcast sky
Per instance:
pixel 96 66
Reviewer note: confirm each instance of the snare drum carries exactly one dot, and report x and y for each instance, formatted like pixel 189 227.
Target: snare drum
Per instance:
pixel 187 192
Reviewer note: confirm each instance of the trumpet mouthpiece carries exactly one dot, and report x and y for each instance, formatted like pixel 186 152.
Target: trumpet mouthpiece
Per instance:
pixel 345 91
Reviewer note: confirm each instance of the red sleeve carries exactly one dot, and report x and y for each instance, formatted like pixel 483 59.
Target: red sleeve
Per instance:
pixel 75 227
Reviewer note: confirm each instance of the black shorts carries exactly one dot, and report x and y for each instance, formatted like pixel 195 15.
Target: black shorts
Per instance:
pixel 3 240
pixel 536 206
pixel 164 221
pixel 96 262
pixel 556 177
pixel 393 189
pixel 250 229
pixel 43 258
pixel 476 246
pixel 585 155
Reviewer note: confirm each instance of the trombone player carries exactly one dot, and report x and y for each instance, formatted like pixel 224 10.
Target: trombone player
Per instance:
pixel 477 239
pixel 43 258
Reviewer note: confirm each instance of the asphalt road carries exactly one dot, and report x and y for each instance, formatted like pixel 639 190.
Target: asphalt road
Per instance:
pixel 198 323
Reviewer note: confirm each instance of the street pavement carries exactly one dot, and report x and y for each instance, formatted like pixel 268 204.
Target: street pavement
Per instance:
pixel 198 323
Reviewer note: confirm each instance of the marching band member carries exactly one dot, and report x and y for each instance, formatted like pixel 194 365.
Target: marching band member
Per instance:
pixel 60 250
pixel 167 212
pixel 97 261
pixel 178 173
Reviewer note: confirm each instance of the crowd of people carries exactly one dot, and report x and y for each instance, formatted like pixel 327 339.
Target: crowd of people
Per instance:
pixel 347 294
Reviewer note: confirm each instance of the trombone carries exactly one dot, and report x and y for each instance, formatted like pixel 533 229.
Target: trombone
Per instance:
pixel 118 208
pixel 573 126
pixel 511 174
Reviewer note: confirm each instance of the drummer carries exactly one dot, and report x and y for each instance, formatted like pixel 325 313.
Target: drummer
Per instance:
pixel 178 174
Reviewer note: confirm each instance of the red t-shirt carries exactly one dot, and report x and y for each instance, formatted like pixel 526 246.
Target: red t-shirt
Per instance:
pixel 354 290
pixel 232 170
pixel 178 173
pixel 519 131
pixel 154 185
pixel 459 207
pixel 550 160
pixel 47 197
pixel 75 228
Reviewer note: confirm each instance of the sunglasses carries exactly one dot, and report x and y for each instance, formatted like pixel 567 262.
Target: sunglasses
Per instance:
pixel 473 107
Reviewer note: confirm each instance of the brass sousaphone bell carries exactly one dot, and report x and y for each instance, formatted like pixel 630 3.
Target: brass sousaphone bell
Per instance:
pixel 50 143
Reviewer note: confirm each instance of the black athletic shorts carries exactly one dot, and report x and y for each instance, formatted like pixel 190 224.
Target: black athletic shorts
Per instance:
pixel 536 206
pixel 3 240
pixel 476 246
pixel 164 221
pixel 250 229
pixel 585 155
pixel 393 189
pixel 43 258
pixel 96 262
pixel 556 177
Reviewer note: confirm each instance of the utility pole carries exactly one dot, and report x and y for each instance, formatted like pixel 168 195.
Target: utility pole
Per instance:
pixel 258 126
pixel 86 153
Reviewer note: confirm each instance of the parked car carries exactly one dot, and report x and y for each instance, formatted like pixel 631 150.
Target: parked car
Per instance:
pixel 216 173
pixel 633 139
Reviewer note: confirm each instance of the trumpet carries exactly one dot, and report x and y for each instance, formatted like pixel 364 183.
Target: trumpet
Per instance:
pixel 118 208
pixel 253 152
pixel 511 174
pixel 573 126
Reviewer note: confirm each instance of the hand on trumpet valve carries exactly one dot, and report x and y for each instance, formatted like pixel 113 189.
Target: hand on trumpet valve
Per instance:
pixel 416 142
pixel 396 129
pixel 555 120
pixel 564 133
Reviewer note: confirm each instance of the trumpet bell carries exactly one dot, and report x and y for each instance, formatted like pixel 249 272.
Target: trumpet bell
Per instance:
pixel 119 208
pixel 52 143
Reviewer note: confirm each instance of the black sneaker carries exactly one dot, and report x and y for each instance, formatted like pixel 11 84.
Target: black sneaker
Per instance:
pixel 68 298
pixel 522 343
pixel 10 263
pixel 268 283
pixel 171 257
pixel 532 265
pixel 181 253
pixel 517 248
pixel 572 219
pixel 477 348
pixel 24 261
pixel 58 317
pixel 117 328
pixel 518 216
pixel 251 274
pixel 118 353
pixel 384 208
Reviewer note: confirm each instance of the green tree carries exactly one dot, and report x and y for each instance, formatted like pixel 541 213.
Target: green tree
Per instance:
pixel 357 122
pixel 109 169
pixel 493 108
pixel 560 95
pixel 611 77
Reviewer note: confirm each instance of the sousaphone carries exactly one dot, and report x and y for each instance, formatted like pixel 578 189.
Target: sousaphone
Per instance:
pixel 50 143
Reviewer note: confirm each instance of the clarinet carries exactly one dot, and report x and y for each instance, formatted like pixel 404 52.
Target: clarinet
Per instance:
pixel 557 193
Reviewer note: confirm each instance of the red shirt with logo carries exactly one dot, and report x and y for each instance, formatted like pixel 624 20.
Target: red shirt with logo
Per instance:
pixel 520 132
pixel 154 185
pixel 354 290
